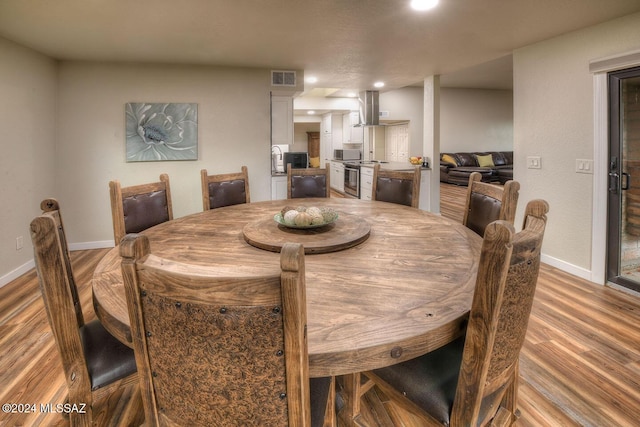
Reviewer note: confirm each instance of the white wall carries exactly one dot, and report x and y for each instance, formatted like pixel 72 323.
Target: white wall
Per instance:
pixel 476 120
pixel 233 130
pixel 470 119
pixel 27 163
pixel 406 104
pixel 554 119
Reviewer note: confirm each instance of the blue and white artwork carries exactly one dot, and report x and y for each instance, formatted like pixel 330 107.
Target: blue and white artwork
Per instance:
pixel 161 132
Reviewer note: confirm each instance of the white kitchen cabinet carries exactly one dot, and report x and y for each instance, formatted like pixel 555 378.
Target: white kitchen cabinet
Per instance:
pixel 331 133
pixel 366 182
pixel 278 187
pixel 357 132
pixel 281 120
pixel 336 176
pixel 352 134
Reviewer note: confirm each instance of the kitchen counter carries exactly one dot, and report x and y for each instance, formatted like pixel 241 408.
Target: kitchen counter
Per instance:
pixel 396 166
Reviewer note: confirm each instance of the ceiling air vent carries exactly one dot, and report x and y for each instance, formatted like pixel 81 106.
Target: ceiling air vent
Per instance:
pixel 283 78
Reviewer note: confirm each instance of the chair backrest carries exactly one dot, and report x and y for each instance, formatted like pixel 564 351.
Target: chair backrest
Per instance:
pixel 214 348
pixel 486 203
pixel 60 296
pixel 139 207
pixel 224 189
pixel 505 287
pixel 309 182
pixel 401 187
pixel 92 359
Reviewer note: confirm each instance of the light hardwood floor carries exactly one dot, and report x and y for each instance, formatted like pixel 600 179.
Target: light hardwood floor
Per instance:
pixel 580 365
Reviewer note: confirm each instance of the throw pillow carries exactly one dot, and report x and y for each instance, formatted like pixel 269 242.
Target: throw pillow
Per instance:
pixel 485 161
pixel 449 159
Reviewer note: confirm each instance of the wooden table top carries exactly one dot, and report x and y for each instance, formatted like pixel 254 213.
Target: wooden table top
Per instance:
pixel 404 291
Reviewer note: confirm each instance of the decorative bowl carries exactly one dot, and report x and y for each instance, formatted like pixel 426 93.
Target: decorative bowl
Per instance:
pixel 329 216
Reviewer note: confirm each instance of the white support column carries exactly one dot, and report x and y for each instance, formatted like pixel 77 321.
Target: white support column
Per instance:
pixel 431 140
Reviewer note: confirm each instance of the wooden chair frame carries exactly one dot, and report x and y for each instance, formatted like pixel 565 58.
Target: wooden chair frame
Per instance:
pixel 64 312
pixel 413 176
pixel 309 172
pixel 204 286
pixel 507 194
pixel 207 179
pixel 500 283
pixel 119 193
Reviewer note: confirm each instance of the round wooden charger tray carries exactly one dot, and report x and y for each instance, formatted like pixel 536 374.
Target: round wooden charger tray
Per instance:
pixel 347 231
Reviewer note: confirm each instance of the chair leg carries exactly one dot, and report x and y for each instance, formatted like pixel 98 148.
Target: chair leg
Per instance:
pixel 330 411
pixel 353 389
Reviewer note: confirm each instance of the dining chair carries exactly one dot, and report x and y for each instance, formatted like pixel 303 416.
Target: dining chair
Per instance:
pixel 400 187
pixel 136 208
pixel 474 380
pixel 486 203
pixel 309 182
pixel 95 364
pixel 224 189
pixel 216 347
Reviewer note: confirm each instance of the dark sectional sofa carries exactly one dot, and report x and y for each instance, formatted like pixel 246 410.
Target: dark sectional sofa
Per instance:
pixel 455 168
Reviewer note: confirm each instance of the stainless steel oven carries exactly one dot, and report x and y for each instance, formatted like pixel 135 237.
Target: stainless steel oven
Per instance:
pixel 352 179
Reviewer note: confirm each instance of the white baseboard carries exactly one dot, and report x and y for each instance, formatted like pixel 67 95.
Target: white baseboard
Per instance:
pixel 583 273
pixel 91 245
pixel 12 275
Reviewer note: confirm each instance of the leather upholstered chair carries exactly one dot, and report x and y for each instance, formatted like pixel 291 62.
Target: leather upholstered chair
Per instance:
pixel 310 182
pixel 219 347
pixel 486 203
pixel 399 187
pixel 224 189
pixel 473 381
pixel 136 208
pixel 95 364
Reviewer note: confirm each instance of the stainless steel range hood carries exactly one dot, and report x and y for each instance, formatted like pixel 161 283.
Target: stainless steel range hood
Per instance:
pixel 369 108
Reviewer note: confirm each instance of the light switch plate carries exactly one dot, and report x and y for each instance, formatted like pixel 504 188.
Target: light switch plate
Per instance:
pixel 534 162
pixel 584 166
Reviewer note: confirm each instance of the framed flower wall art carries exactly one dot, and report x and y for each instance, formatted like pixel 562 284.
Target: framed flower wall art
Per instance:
pixel 161 131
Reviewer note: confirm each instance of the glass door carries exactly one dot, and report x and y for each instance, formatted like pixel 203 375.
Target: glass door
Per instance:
pixel 623 250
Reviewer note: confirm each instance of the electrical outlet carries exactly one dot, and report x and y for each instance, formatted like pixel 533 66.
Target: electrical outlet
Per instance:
pixel 534 162
pixel 584 166
pixel 19 243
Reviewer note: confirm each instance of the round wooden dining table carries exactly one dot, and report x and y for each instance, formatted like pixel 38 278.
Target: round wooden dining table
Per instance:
pixel 387 284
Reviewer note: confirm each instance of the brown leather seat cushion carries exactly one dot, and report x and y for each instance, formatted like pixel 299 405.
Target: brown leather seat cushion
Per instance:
pixel 429 381
pixel 394 191
pixel 319 391
pixel 108 360
pixel 145 210
pixel 308 186
pixel 227 193
pixel 483 210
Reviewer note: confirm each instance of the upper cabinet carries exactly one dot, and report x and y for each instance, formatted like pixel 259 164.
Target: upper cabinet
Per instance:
pixel 352 134
pixel 281 120
pixel 331 134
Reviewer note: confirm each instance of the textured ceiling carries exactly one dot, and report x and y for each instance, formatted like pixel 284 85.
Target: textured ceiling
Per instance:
pixel 345 43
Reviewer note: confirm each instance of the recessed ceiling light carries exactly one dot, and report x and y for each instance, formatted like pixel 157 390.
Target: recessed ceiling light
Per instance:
pixel 311 112
pixel 311 79
pixel 378 84
pixel 424 4
pixel 352 94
